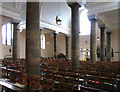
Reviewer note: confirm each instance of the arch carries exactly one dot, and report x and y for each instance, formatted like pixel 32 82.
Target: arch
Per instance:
pixel 84 23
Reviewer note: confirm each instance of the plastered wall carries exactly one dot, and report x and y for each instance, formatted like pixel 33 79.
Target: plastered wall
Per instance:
pixel 114 44
pixel 48 51
pixel 1 37
pixel 61 45
pixel 49 45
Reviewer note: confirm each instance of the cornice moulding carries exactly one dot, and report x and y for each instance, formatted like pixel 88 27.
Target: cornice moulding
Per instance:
pixel 46 24
pixel 9 12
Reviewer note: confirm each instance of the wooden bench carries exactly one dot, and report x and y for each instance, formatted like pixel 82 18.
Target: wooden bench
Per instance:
pixel 10 87
pixel 89 89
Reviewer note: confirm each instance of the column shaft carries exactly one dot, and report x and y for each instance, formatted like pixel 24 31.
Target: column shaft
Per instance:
pixel 102 29
pixel 66 41
pixel 55 44
pixel 93 48
pixel 75 51
pixel 33 48
pixel 108 46
pixel 119 33
pixel 14 41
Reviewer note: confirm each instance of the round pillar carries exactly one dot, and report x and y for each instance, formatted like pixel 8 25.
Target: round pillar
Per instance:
pixel 108 32
pixel 75 50
pixel 33 48
pixel 14 48
pixel 102 42
pixel 93 47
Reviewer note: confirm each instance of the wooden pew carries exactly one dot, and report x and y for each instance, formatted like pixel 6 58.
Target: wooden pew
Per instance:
pixel 10 87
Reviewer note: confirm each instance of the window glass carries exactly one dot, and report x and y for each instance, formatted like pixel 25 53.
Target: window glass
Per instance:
pixel 8 34
pixel 4 34
pixel 42 41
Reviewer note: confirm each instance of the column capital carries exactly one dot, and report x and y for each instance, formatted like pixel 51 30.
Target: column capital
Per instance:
pixel 108 31
pixel 102 26
pixel 80 2
pixel 73 5
pixel 55 32
pixel 93 17
pixel 66 35
pixel 14 21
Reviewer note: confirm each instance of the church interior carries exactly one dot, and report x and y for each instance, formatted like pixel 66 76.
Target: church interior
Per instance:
pixel 59 46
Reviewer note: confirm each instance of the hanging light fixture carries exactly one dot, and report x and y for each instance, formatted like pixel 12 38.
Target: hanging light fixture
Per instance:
pixel 58 19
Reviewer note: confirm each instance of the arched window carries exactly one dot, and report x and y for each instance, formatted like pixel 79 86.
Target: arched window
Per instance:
pixel 42 41
pixel 84 23
pixel 7 34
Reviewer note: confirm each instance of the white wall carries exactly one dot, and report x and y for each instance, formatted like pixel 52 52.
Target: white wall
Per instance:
pixel 1 37
pixel 6 51
pixel 114 44
pixel 61 44
pixel 51 11
pixel 49 48
pixel 21 44
pixel 84 41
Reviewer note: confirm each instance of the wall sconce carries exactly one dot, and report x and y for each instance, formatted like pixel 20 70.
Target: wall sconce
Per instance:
pixel 58 20
pixel 47 42
pixel 98 38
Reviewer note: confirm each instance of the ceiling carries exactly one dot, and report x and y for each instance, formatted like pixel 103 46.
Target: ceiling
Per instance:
pixel 110 18
pixel 107 13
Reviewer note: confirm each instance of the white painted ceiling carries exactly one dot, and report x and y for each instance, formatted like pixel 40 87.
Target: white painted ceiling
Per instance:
pixel 106 11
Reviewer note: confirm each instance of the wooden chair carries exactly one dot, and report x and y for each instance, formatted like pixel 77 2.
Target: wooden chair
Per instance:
pixel 73 78
pixel 17 75
pixel 34 82
pixel 92 81
pixel 88 89
pixel 108 83
pixel 24 79
pixel 10 74
pixel 71 69
pixel 60 76
pixel 48 85
pixel 65 87
pixel 49 74
pixel 4 73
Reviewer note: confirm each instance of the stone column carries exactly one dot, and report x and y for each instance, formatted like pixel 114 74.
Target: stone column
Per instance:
pixel 119 42
pixel 119 33
pixel 102 41
pixel 66 42
pixel 93 49
pixel 33 48
pixel 75 50
pixel 55 44
pixel 108 32
pixel 14 48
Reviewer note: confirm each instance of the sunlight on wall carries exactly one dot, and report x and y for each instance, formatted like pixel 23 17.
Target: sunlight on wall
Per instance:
pixel 42 41
pixel 84 23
